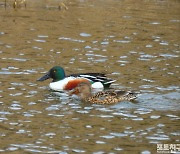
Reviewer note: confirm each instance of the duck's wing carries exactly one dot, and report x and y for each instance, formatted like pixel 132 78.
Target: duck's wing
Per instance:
pixel 103 97
pixel 96 77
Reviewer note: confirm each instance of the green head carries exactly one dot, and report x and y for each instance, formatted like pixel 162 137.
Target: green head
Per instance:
pixel 56 73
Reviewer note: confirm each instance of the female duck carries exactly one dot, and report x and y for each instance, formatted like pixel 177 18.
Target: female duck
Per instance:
pixel 83 90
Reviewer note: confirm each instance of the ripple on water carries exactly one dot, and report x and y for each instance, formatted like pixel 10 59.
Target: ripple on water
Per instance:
pixel 9 72
pixel 122 41
pixel 56 115
pixel 88 108
pixel 155 116
pixel 71 39
pixel 12 148
pixel 145 152
pixel 173 117
pixel 8 46
pixel 118 149
pixel 16 94
pixel 149 46
pixel 37 48
pixel 100 142
pixel 14 123
pixel 103 109
pixel 115 134
pixel 164 43
pixel 143 111
pixel 171 88
pixel 3 119
pixel 22 131
pixel 40 41
pixel 137 119
pixel 169 56
pixel 17 84
pixel 155 23
pixel 50 135
pixel 33 148
pixel 27 114
pixel 158 137
pixel 88 47
pixel 2 33
pixel 159 101
pixel 107 136
pixel 15 106
pixel 75 106
pixel 175 133
pixel 123 62
pixel 42 36
pixel 85 34
pixel 78 150
pixel 18 59
pixel 146 57
pixel 124 114
pixel 88 126
pixel 104 43
pixel 105 116
pixel 54 107
pixel 5 113
pixel 82 111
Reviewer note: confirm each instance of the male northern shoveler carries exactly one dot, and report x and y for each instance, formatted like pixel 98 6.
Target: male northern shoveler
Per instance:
pixel 62 82
pixel 83 90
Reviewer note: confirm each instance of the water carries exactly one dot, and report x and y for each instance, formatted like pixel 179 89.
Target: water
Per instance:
pixel 135 43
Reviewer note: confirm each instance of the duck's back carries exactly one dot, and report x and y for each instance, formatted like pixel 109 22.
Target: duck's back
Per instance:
pixel 111 97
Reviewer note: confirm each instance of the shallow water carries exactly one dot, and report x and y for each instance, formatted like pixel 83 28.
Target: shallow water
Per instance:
pixel 136 43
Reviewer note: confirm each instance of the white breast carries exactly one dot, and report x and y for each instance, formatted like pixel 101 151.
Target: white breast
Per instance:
pixel 59 85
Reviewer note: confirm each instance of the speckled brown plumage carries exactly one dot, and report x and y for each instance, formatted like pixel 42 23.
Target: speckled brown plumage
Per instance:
pixel 83 90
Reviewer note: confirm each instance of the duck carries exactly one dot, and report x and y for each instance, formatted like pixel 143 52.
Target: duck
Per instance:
pixel 84 91
pixel 61 82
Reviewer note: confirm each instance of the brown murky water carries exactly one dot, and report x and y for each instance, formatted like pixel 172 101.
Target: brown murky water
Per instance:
pixel 135 42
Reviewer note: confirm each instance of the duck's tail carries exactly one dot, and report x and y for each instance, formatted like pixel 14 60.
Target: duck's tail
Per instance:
pixel 126 95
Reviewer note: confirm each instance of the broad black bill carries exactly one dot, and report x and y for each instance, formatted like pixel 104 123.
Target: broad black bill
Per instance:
pixel 44 77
